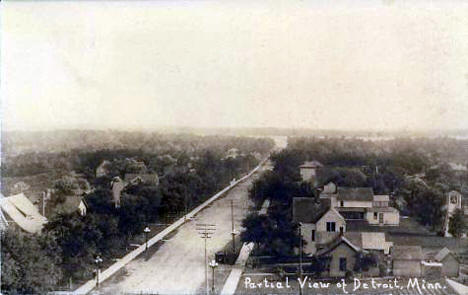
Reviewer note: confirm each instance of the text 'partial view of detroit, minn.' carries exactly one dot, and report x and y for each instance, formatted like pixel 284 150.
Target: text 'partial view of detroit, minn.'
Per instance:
pixel 234 147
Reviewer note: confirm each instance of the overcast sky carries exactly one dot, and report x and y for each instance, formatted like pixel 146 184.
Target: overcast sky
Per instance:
pixel 122 64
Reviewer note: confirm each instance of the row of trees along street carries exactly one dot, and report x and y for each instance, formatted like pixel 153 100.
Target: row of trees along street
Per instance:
pixel 66 249
pixel 415 172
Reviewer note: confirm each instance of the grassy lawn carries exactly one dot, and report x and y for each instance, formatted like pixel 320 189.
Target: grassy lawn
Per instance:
pixel 407 225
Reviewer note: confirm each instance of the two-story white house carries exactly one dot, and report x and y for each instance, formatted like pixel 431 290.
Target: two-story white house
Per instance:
pixel 360 203
pixel 320 223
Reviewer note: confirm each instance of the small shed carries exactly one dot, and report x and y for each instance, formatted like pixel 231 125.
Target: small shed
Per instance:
pixel 407 261
pixel 450 262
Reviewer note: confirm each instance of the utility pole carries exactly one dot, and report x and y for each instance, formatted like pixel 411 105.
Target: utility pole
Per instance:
pixel 206 231
pixel 233 233
pixel 300 261
pixel 185 205
pixel 43 203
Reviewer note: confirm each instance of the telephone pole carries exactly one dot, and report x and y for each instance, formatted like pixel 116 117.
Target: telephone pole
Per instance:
pixel 205 231
pixel 300 258
pixel 233 233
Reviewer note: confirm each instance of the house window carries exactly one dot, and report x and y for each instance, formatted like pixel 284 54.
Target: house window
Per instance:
pixel 342 264
pixel 342 203
pixel 313 235
pixel 375 215
pixel 331 226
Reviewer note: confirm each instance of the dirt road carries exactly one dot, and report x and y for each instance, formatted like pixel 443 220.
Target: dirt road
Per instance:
pixel 177 267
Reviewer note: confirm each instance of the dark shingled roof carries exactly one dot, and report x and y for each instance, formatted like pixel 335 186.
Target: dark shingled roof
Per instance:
pixel 335 243
pixel 307 210
pixel 355 194
pixel 69 205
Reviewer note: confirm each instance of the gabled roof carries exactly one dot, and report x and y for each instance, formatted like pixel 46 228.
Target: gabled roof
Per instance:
pixel 355 194
pixel 373 240
pixel 355 238
pixel 307 210
pixel 329 188
pixel 104 163
pixel 368 240
pixel 69 205
pixel 442 254
pixel 335 243
pixel 311 164
pixel 21 211
pixel 407 253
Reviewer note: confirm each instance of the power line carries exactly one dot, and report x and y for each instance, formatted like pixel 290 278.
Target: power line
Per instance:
pixel 205 230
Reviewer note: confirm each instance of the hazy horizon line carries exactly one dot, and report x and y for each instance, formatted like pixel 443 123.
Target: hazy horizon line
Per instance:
pixel 178 128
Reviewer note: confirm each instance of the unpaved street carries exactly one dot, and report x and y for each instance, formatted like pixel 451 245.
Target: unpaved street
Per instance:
pixel 177 267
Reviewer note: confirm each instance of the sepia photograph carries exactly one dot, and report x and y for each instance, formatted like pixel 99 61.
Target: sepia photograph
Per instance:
pixel 233 147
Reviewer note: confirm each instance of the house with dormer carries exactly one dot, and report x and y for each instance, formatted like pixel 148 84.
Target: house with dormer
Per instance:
pixel 360 203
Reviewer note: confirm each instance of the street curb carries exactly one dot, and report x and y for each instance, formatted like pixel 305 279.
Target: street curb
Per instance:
pixel 114 268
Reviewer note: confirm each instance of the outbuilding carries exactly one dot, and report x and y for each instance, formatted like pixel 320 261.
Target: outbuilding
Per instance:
pixel 450 262
pixel 407 261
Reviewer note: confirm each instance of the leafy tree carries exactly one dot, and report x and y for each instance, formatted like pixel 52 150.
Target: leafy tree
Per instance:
pixel 274 234
pixel 132 215
pixel 30 263
pixel 364 261
pixel 256 229
pixel 318 265
pixel 65 185
pixel 100 201
pixel 78 238
pixel 286 164
pixel 457 225
pixel 349 177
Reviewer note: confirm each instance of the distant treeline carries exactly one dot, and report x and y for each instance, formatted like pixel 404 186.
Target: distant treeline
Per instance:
pixel 40 152
pixel 18 142
pixel 190 170
pixel 414 172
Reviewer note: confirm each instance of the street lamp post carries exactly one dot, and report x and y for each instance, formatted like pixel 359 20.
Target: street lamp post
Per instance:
pixel 147 230
pixel 98 262
pixel 213 264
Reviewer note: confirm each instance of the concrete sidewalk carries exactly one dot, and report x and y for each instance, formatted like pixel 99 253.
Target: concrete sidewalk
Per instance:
pixel 232 281
pixel 91 284
pixel 459 288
